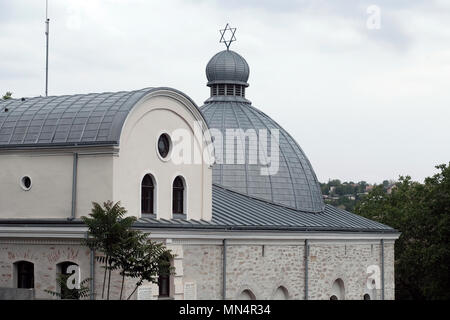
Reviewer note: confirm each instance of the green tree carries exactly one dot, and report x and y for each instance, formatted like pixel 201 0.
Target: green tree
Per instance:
pixel 107 228
pixel 421 212
pixel 126 250
pixel 152 260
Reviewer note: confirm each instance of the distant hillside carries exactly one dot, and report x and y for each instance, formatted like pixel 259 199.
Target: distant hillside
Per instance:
pixel 345 195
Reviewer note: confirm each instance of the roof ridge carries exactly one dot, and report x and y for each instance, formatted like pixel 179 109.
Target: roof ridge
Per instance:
pixel 76 94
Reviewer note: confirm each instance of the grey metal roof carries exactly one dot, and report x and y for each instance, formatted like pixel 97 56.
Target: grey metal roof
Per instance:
pixel 294 185
pixel 227 67
pixel 81 119
pixel 232 210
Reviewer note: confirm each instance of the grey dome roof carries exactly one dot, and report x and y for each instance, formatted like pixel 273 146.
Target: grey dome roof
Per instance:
pixel 295 185
pixel 227 67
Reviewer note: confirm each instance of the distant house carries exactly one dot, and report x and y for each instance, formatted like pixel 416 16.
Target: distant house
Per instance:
pixel 390 188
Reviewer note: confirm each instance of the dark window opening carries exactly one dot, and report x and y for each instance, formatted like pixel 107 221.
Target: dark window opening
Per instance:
pixel 178 195
pixel 26 183
pixel 163 145
pixel 25 274
pixel 221 90
pixel 147 194
pixel 238 90
pixel 333 297
pixel 230 90
pixel 164 277
pixel 366 297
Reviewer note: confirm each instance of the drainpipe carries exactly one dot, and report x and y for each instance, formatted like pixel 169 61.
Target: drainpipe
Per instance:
pixel 92 274
pixel 224 270
pixel 92 271
pixel 306 267
pixel 382 269
pixel 74 185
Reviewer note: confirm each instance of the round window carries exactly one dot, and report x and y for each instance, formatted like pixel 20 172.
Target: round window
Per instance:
pixel 164 145
pixel 25 183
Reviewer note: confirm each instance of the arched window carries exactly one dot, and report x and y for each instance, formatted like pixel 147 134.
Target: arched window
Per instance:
pixel 25 274
pixel 147 194
pixel 366 296
pixel 337 290
pixel 247 295
pixel 164 277
pixel 62 275
pixel 178 195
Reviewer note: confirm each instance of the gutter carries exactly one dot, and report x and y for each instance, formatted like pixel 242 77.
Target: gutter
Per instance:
pixel 382 269
pixel 306 267
pixel 92 272
pixel 58 222
pixel 92 269
pixel 34 146
pixel 224 270
pixel 74 186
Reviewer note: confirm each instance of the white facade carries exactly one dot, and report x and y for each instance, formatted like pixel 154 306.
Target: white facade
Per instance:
pixel 110 173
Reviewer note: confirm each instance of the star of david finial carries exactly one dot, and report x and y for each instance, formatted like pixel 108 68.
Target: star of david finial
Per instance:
pixel 227 35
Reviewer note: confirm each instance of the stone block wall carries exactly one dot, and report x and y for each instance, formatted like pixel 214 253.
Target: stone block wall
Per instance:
pixel 45 255
pixel 263 269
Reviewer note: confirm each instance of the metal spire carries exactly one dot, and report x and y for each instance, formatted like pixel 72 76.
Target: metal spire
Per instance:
pixel 230 32
pixel 47 29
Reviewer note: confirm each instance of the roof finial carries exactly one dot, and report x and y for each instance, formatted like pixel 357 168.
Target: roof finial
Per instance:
pixel 230 32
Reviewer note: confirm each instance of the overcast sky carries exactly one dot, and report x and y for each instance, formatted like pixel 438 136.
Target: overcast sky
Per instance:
pixel 363 103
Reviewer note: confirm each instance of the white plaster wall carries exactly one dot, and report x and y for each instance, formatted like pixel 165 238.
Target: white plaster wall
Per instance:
pixel 94 181
pixel 51 193
pixel 138 156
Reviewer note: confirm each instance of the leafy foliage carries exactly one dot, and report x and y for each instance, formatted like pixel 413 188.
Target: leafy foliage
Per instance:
pixel 7 95
pixel 421 212
pixel 129 251
pixel 70 294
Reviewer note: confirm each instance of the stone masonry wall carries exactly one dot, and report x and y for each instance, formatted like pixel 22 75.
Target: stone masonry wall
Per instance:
pixel 45 255
pixel 264 268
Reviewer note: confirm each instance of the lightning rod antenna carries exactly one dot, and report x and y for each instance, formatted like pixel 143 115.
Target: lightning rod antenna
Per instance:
pixel 47 29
